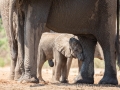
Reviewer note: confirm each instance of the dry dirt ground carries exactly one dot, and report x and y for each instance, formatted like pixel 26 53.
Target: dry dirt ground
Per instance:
pixel 6 84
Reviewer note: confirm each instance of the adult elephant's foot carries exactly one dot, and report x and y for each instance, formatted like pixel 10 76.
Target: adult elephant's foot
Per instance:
pixel 79 79
pixel 86 81
pixel 55 81
pixel 109 80
pixel 28 79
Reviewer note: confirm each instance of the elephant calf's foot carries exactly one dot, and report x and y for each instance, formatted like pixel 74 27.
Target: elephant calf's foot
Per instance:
pixel 28 79
pixel 109 80
pixel 64 81
pixel 79 79
pixel 55 81
pixel 42 81
pixel 11 77
pixel 17 76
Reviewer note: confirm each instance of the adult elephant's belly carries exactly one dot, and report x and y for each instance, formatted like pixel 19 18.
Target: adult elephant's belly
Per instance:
pixel 72 16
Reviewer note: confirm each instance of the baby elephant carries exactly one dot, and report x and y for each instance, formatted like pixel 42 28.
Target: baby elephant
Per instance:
pixel 98 54
pixel 58 47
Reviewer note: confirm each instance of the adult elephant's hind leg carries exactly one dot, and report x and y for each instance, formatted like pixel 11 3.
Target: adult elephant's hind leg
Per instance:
pixel 106 34
pixel 108 46
pixel 87 69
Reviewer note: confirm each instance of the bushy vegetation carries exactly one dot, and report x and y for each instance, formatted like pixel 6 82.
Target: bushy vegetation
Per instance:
pixel 4 50
pixel 101 64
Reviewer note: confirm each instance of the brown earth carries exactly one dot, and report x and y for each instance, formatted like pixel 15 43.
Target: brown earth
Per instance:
pixel 6 84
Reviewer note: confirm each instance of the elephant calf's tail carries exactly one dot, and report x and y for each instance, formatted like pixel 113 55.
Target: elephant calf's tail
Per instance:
pixel 51 63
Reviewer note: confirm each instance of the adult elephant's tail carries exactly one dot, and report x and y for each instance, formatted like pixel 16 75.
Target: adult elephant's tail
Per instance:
pixel 11 10
pixel 117 38
pixel 12 33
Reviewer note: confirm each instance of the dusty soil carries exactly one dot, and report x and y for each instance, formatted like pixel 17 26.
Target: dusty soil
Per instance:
pixel 6 84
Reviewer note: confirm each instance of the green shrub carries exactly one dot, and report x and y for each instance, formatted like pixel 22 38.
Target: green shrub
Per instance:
pixel 46 65
pixel 4 50
pixel 2 62
pixel 99 63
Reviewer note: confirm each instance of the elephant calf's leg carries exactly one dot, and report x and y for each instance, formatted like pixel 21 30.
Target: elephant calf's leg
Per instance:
pixel 40 62
pixel 53 73
pixel 58 59
pixel 69 61
pixel 79 68
pixel 63 78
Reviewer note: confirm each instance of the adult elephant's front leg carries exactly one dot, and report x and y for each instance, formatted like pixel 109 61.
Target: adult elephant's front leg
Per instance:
pixel 59 60
pixel 87 69
pixel 35 17
pixel 32 37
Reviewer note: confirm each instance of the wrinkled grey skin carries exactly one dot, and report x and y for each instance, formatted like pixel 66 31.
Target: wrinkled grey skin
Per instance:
pixel 60 47
pixel 90 20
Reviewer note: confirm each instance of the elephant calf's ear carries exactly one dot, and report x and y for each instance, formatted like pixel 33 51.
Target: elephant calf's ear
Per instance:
pixel 68 52
pixel 62 45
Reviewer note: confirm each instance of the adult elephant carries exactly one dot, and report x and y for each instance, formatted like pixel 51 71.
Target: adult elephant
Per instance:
pixel 14 36
pixel 91 21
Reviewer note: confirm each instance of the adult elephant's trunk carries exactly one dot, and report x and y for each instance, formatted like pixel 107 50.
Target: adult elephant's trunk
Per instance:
pixel 117 38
